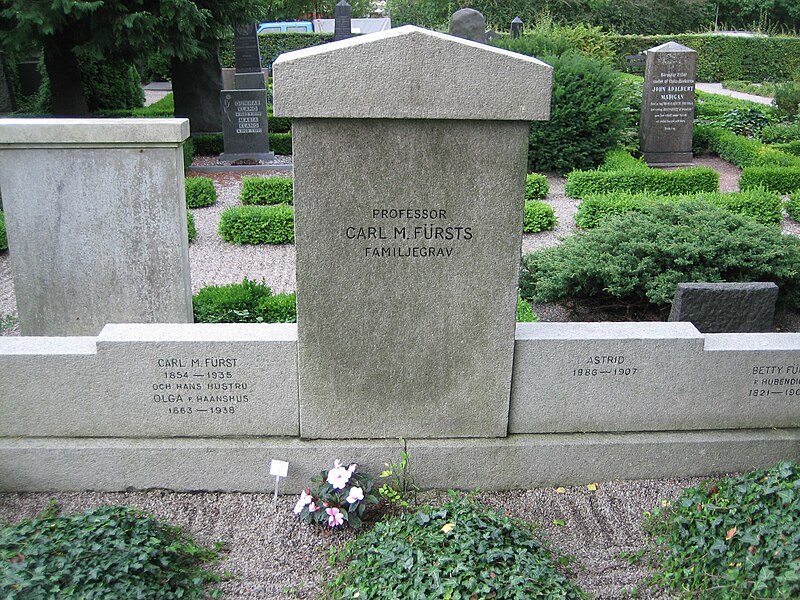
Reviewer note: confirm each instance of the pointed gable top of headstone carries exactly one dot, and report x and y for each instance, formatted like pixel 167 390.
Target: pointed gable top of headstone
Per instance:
pixel 411 73
pixel 670 47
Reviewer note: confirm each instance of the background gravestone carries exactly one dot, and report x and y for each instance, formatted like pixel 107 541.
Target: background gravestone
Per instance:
pixel 99 235
pixel 469 24
pixel 342 28
pixel 726 307
pixel 245 131
pixel 667 117
pixel 408 243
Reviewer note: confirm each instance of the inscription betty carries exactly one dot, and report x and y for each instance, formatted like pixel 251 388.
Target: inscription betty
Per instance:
pixel 780 380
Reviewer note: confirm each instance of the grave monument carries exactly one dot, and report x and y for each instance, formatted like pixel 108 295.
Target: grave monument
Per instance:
pixel 414 231
pixel 342 28
pixel 108 245
pixel 469 24
pixel 244 110
pixel 667 117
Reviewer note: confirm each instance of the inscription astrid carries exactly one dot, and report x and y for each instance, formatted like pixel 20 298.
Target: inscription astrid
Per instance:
pixel 432 231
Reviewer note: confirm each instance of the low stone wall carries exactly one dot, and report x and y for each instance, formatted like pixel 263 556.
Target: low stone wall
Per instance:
pixel 203 406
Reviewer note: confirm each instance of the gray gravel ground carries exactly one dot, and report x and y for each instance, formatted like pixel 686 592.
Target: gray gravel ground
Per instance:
pixel 273 556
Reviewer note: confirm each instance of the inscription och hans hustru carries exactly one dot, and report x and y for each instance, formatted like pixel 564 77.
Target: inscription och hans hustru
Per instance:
pixel 200 386
pixel 418 226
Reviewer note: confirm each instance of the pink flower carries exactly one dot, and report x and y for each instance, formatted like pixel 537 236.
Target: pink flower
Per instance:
pixel 356 494
pixel 305 500
pixel 312 507
pixel 335 517
pixel 352 468
pixel 338 477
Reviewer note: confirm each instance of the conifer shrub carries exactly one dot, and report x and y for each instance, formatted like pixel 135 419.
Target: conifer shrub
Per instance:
pixel 245 302
pixel 538 216
pixel 682 181
pixel 761 206
pixel 191 229
pixel 266 190
pixel 257 224
pixel 200 192
pixel 586 116
pixel 536 187
pixel 641 257
pixel 3 237
pixel 775 179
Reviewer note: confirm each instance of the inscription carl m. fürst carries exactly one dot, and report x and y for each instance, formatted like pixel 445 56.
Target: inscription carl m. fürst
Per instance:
pixel 201 387
pixel 406 232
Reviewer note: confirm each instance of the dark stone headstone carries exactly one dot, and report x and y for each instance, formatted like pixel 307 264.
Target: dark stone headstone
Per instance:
pixel 516 27
pixel 245 44
pixel 342 28
pixel 469 24
pixel 244 125
pixel 726 307
pixel 665 125
pixel 6 99
pixel 196 84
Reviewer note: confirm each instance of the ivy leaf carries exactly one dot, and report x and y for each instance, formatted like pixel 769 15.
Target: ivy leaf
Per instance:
pixel 448 527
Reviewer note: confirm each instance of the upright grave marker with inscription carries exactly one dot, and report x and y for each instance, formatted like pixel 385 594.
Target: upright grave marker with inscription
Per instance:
pixel 244 110
pixel 667 117
pixel 408 243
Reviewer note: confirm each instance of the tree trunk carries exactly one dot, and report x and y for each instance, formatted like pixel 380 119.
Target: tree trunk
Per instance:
pixel 64 73
pixel 196 85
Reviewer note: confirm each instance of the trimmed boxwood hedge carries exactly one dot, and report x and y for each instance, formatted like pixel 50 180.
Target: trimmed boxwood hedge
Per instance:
pixel 792 206
pixel 683 181
pixel 266 190
pixel 257 224
pixel 190 226
pixel 538 216
pixel 245 302
pixel 536 187
pixel 763 207
pixel 783 180
pixel 744 151
pixel 281 143
pixel 212 144
pixel 200 192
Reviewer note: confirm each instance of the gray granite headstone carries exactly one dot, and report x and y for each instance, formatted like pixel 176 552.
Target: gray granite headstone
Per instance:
pixel 407 243
pixel 667 117
pixel 244 125
pixel 342 28
pixel 726 307
pixel 248 75
pixel 469 24
pixel 516 27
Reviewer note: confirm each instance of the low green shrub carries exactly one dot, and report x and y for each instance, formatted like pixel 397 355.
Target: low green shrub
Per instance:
pixel 539 216
pixel 458 550
pixel 682 181
pixel 208 144
pixel 105 552
pixel 257 224
pixel 200 192
pixel 775 179
pixel 641 257
pixel 281 143
pixel 790 147
pixel 792 206
pixel 525 313
pixel 781 133
pixel 586 116
pixel 746 152
pixel 266 190
pixel 622 160
pixel 748 121
pixel 191 229
pixel 763 207
pixel 536 187
pixel 164 108
pixel 765 89
pixel 3 237
pixel 246 302
pixel 787 98
pixel 736 537
pixel 278 124
pixel 188 155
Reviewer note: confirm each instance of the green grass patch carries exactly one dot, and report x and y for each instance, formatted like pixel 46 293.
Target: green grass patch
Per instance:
pixel 737 537
pixel 105 552
pixel 458 550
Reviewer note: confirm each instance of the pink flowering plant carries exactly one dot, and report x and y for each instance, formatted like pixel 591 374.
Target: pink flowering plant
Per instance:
pixel 340 495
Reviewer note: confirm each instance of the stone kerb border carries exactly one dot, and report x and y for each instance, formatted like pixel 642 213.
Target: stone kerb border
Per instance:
pixel 95 412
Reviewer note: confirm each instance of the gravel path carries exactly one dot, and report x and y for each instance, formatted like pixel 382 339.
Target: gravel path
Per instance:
pixel 273 556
